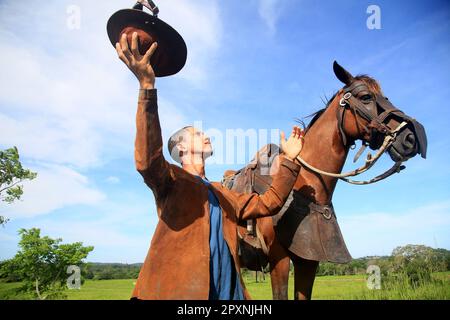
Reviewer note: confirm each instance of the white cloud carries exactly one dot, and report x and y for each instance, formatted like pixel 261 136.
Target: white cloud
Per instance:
pixel 110 243
pixel 68 102
pixel 380 232
pixel 113 180
pixel 69 86
pixel 120 229
pixel 170 119
pixel 200 25
pixel 51 139
pixel 270 11
pixel 55 187
pixel 96 233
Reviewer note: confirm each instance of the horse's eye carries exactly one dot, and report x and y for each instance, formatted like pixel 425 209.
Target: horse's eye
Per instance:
pixel 366 97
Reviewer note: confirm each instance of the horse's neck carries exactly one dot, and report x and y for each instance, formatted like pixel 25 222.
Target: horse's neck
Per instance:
pixel 323 149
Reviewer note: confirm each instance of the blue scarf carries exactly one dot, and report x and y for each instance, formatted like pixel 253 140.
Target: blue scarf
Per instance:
pixel 224 281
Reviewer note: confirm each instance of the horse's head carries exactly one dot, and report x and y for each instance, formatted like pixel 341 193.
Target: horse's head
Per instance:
pixel 371 117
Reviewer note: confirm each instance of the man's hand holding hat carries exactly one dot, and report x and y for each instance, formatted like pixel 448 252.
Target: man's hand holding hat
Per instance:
pixel 137 63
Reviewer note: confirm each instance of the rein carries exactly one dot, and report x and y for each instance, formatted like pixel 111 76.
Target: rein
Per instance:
pixel 370 161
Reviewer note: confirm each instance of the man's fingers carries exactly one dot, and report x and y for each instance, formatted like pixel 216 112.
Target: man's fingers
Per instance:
pixel 121 55
pixel 134 45
pixel 282 137
pixel 125 48
pixel 293 131
pixel 150 52
pixel 302 133
pixel 298 132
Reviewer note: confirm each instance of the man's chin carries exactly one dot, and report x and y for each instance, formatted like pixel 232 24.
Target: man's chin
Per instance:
pixel 207 154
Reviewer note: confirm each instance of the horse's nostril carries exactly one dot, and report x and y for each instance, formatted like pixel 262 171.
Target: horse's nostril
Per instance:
pixel 409 141
pixel 404 147
pixel 411 137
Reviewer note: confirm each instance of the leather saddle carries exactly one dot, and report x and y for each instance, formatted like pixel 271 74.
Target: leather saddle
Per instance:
pixel 255 177
pixel 304 228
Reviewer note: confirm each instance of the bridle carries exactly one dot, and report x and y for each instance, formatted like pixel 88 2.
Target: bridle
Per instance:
pixel 381 136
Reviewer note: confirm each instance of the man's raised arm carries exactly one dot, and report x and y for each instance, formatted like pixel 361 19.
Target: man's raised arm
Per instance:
pixel 149 159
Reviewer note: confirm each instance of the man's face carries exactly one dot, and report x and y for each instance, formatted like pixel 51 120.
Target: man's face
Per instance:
pixel 196 142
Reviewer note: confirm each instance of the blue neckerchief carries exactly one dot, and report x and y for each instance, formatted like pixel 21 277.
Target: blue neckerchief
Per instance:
pixel 224 280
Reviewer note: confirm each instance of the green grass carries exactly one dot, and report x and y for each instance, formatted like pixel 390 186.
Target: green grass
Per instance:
pixel 90 290
pixel 402 289
pixel 103 290
pixel 325 288
pixel 354 287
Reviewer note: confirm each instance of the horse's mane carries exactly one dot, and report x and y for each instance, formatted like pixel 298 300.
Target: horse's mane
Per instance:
pixel 369 81
pixel 316 115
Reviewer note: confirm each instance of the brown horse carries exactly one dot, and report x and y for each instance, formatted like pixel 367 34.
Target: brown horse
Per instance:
pixel 306 230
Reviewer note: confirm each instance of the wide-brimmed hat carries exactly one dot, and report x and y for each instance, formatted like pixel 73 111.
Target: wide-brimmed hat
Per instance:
pixel 171 53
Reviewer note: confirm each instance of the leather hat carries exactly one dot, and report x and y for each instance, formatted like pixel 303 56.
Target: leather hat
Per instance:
pixel 171 53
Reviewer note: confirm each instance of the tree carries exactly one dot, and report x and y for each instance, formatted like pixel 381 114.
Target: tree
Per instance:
pixel 417 262
pixel 12 174
pixel 42 263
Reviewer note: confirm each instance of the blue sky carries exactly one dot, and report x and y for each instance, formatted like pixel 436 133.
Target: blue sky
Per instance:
pixel 69 104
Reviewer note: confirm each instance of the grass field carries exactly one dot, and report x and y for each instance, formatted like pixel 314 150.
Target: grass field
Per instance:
pixel 325 288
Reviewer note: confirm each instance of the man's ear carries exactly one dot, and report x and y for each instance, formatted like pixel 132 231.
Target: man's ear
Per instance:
pixel 181 147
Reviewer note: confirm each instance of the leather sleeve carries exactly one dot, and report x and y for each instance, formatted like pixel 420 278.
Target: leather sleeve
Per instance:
pixel 149 159
pixel 270 203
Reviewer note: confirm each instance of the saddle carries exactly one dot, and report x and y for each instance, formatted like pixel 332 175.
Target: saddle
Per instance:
pixel 304 228
pixel 255 177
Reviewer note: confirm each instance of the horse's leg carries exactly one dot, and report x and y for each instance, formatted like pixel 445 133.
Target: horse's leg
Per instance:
pixel 279 277
pixel 279 261
pixel 279 271
pixel 304 275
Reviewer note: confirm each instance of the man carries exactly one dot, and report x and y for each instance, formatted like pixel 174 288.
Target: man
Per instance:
pixel 194 250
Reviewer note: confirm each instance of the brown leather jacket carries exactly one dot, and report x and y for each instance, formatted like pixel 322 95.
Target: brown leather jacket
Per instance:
pixel 177 263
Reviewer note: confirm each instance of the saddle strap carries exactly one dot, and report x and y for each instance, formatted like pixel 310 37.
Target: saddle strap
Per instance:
pixel 301 201
pixel 261 240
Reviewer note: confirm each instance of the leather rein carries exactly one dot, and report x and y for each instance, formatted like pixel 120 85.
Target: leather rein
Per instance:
pixel 376 125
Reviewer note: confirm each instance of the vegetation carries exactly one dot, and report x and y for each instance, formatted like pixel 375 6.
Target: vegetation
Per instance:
pixel 109 271
pixel 414 260
pixel 400 287
pixel 325 288
pixel 41 264
pixel 411 272
pixel 11 175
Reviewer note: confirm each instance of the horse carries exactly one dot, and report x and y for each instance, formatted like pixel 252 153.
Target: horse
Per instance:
pixel 306 231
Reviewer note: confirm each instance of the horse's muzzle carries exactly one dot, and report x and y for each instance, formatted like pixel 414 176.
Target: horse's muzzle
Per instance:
pixel 405 146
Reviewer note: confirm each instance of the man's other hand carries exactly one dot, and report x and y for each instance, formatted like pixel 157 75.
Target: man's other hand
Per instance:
pixel 292 147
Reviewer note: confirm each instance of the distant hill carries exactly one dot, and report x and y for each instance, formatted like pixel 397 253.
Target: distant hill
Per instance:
pixel 106 271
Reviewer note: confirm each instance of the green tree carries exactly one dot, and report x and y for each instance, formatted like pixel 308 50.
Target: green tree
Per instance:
pixel 12 174
pixel 417 262
pixel 87 271
pixel 42 263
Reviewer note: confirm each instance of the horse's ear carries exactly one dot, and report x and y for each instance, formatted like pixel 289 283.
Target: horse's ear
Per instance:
pixel 343 75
